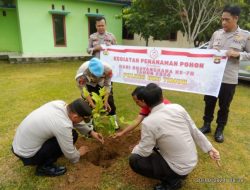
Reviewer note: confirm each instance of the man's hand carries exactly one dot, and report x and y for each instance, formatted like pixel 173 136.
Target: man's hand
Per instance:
pixel 215 155
pixel 90 101
pixel 97 136
pixel 216 48
pixel 107 106
pixel 83 150
pixel 98 48
pixel 117 135
pixel 92 105
pixel 232 53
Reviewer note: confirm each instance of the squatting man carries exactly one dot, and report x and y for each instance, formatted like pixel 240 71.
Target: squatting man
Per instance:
pixel 49 132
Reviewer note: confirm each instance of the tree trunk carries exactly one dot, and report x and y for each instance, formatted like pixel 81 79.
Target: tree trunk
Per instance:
pixel 146 42
pixel 190 41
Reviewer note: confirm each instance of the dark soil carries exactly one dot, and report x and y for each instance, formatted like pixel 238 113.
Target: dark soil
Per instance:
pixel 103 159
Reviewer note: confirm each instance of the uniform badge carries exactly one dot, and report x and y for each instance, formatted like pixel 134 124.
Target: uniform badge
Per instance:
pixel 217 59
pixel 105 52
pixel 238 38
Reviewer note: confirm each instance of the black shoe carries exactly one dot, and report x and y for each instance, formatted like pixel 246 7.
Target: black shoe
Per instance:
pixel 160 187
pixel 206 128
pixel 51 170
pixel 165 186
pixel 218 135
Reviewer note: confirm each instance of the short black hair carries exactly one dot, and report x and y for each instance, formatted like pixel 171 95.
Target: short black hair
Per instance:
pixel 80 107
pixel 233 10
pixel 99 18
pixel 139 92
pixel 153 95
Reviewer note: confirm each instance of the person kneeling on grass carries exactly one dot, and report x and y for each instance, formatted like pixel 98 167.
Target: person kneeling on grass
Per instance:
pixel 137 95
pixel 48 132
pixel 167 150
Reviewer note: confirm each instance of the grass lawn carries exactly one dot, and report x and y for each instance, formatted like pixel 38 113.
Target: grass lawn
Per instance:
pixel 24 87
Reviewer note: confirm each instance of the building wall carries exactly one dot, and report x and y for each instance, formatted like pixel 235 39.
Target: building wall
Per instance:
pixel 36 25
pixel 181 42
pixel 9 31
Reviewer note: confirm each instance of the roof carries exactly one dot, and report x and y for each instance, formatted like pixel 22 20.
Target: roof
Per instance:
pixel 124 2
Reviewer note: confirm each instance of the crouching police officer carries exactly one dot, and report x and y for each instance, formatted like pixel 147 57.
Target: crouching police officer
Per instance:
pixel 91 77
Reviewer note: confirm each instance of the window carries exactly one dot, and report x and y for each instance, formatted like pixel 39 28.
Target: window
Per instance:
pixel 126 35
pixel 92 28
pixel 4 13
pixel 59 30
pixel 172 36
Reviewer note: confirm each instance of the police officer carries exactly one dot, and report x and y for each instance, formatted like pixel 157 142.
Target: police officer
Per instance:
pixel 91 77
pixel 237 43
pixel 100 37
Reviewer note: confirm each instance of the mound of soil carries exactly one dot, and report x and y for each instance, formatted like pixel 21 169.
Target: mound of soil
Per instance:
pixel 102 158
pixel 104 155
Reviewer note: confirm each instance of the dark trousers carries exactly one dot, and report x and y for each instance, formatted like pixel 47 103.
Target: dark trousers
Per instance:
pixel 225 97
pixel 110 98
pixel 154 166
pixel 48 153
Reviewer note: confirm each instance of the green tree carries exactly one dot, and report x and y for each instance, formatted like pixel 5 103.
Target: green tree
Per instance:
pixel 197 19
pixel 150 18
pixel 159 17
pixel 244 20
pixel 196 16
pixel 206 35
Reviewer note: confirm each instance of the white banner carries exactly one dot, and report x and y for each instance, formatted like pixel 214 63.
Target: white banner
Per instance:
pixel 188 70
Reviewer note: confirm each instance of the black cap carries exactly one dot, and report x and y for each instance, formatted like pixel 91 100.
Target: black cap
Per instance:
pixel 81 107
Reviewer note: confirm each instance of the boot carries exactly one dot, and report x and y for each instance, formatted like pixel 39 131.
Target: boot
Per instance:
pixel 166 186
pixel 50 170
pixel 206 128
pixel 218 135
pixel 116 123
pixel 113 120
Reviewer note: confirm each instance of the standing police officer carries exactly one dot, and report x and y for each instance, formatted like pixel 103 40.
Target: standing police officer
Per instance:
pixel 101 37
pixel 237 43
pixel 96 40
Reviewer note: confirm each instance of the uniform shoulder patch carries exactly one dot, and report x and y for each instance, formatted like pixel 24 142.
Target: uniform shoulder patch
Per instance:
pixel 220 30
pixel 94 35
pixel 245 31
pixel 109 73
pixel 248 38
pixel 82 81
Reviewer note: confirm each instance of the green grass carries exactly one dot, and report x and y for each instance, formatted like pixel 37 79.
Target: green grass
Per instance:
pixel 24 87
